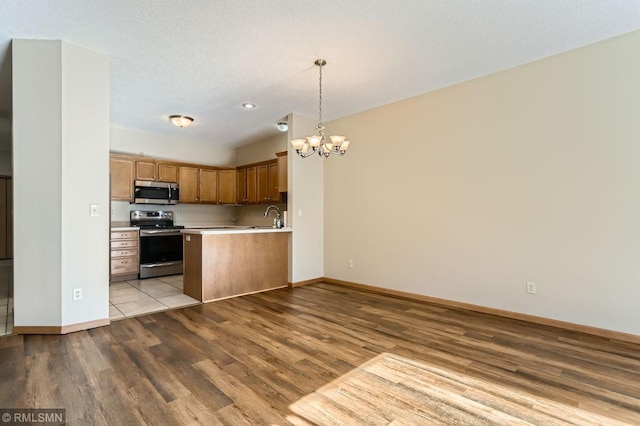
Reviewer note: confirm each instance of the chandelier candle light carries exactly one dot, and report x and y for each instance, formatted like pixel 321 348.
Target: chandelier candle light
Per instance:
pixel 319 143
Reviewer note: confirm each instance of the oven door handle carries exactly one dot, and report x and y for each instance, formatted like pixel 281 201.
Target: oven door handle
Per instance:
pixel 160 231
pixel 156 265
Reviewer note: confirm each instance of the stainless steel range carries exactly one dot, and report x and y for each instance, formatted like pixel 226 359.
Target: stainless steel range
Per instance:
pixel 160 243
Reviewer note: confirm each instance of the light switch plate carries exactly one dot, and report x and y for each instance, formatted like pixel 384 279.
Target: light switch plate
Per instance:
pixel 95 210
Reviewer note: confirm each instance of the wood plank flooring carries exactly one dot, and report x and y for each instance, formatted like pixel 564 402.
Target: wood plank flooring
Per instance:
pixel 263 358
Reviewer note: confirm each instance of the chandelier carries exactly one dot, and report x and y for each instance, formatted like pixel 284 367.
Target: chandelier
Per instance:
pixel 319 143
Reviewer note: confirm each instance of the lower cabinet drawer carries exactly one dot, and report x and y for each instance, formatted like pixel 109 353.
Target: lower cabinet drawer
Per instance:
pixel 124 244
pixel 124 235
pixel 125 265
pixel 124 253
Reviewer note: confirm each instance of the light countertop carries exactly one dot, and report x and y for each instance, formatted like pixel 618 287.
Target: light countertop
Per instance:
pixel 124 228
pixel 233 230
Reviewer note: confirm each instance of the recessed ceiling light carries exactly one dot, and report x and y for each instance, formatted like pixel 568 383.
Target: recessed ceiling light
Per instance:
pixel 282 126
pixel 181 120
pixel 248 105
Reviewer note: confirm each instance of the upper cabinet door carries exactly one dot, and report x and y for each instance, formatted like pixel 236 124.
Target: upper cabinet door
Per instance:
pixel 188 184
pixel 241 185
pixel 263 183
pixel 274 194
pixel 145 170
pixel 121 170
pixel 167 172
pixel 252 185
pixel 208 182
pixel 226 186
pixel 282 171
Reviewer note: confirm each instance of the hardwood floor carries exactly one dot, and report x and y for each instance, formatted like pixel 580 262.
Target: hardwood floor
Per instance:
pixel 256 359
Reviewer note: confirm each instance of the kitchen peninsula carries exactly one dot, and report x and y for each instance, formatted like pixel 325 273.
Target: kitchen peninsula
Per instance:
pixel 232 261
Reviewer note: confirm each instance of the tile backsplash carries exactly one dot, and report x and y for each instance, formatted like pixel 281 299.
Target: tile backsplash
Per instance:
pixel 199 214
pixel 185 214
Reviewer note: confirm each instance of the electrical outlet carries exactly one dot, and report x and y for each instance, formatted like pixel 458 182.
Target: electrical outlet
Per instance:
pixel 531 287
pixel 77 294
pixel 350 264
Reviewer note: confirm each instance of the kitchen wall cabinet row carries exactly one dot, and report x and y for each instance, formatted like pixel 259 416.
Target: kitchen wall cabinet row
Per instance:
pixel 197 183
pixel 255 183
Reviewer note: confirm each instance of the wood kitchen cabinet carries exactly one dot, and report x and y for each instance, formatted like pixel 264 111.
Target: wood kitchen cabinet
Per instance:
pixel 219 266
pixel 167 172
pixel 273 182
pixel 207 185
pixel 241 185
pixel 146 170
pixel 125 260
pixel 156 171
pixel 226 186
pixel 282 171
pixel 258 183
pixel 252 188
pixel 267 182
pixel 262 174
pixel 121 169
pixel 188 184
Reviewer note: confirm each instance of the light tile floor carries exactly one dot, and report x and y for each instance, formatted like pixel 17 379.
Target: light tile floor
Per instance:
pixel 6 297
pixel 128 298
pixel 137 297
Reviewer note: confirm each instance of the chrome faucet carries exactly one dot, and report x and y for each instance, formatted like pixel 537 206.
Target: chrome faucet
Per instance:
pixel 278 220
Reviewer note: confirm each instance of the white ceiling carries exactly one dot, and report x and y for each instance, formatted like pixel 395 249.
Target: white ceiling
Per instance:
pixel 204 58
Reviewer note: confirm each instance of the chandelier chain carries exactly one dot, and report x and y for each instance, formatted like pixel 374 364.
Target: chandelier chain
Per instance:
pixel 318 143
pixel 320 102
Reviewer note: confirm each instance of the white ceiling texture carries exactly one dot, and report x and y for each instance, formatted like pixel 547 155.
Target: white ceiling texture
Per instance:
pixel 204 58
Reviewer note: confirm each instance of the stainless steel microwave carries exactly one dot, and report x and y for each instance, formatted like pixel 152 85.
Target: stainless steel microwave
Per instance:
pixel 146 192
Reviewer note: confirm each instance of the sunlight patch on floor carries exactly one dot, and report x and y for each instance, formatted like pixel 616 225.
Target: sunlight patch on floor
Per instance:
pixel 390 389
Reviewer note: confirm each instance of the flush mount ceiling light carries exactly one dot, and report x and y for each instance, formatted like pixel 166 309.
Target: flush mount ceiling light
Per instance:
pixel 319 143
pixel 181 120
pixel 248 105
pixel 282 126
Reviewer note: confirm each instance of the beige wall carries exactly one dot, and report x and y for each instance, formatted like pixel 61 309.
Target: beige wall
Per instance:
pixel 305 206
pixel 262 150
pixel 65 88
pixel 526 175
pixel 176 148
